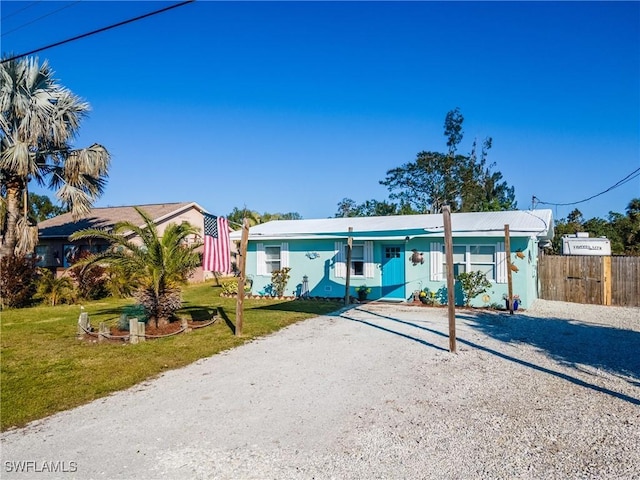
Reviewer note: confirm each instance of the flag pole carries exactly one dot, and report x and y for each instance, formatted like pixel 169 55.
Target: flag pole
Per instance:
pixel 244 240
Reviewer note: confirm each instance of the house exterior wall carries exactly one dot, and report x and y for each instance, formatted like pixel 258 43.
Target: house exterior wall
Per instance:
pixel 57 253
pixel 318 260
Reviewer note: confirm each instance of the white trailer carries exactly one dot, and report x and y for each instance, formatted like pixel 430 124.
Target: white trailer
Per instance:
pixel 582 244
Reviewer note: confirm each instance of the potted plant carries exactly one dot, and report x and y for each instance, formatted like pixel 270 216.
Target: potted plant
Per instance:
pixel 362 292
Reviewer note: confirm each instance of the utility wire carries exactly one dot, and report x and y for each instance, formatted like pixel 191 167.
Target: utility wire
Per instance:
pixel 103 29
pixel 15 12
pixel 39 18
pixel 619 183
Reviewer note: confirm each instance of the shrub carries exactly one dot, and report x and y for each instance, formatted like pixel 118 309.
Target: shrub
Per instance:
pixel 132 311
pixel 279 279
pixel 473 284
pixel 90 280
pixel 55 290
pixel 18 276
pixel 429 297
pixel 231 287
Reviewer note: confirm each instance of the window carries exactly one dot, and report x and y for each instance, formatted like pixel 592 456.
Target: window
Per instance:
pixel 357 259
pixel 361 260
pixel 272 258
pixel 482 258
pixel 459 263
pixel 42 255
pixel 471 258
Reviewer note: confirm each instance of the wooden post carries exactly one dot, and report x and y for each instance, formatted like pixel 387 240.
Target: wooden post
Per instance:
pixel 103 330
pixel 451 298
pixel 133 330
pixel 347 298
pixel 507 252
pixel 141 332
pixel 83 324
pixel 244 240
pixel 606 280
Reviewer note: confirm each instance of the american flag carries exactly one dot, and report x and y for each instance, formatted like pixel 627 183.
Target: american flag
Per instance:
pixel 217 245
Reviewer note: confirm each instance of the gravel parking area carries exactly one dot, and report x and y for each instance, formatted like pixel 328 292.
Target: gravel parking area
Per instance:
pixel 372 392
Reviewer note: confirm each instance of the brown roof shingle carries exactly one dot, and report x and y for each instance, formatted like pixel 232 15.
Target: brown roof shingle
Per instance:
pixel 105 217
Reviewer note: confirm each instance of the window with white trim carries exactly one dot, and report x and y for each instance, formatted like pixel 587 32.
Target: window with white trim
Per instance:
pixel 272 258
pixel 357 259
pixel 361 260
pixel 471 258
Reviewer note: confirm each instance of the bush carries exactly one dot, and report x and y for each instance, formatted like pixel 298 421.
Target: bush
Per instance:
pixel 18 277
pixel 90 280
pixel 231 287
pixel 135 311
pixel 55 290
pixel 279 279
pixel 473 284
pixel 132 311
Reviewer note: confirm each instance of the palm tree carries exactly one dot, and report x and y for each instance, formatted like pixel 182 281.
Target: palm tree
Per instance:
pixel 39 118
pixel 162 263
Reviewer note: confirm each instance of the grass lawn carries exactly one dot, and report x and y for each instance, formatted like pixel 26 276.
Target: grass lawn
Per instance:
pixel 45 369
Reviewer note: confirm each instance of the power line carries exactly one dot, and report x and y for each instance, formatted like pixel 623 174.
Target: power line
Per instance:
pixel 40 18
pixel 15 12
pixel 619 183
pixel 103 29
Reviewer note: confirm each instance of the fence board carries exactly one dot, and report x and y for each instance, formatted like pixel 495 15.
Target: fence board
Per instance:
pixel 625 281
pixel 582 279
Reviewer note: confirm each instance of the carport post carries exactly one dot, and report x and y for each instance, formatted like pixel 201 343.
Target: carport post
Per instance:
pixel 507 252
pixel 244 240
pixel 451 298
pixel 347 297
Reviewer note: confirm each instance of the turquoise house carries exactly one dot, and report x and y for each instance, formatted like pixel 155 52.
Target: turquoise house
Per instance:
pixel 395 256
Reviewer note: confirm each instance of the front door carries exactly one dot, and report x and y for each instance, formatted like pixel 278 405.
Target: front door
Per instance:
pixel 393 272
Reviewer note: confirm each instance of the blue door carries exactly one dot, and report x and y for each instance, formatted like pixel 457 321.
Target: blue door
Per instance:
pixel 392 272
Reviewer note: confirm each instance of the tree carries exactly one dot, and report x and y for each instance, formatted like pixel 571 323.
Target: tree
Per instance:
pixel 41 208
pixel 623 231
pixel 162 263
pixel 18 279
pixel 371 208
pixel 464 182
pixel 237 215
pixel 39 119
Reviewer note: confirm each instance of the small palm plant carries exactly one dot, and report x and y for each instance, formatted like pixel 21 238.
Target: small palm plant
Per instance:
pixel 161 263
pixel 55 290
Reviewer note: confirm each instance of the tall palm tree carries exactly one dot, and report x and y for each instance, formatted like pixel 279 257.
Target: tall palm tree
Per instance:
pixel 39 117
pixel 162 263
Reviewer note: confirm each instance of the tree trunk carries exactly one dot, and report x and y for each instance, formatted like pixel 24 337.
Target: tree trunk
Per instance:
pixel 10 238
pixel 162 322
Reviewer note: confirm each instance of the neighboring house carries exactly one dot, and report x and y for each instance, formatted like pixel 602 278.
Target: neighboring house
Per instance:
pixel 397 255
pixel 56 252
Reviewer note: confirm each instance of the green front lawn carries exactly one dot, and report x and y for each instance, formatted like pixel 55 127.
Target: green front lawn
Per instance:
pixel 46 369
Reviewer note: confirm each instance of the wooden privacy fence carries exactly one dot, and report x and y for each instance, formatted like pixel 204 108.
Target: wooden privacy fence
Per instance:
pixel 590 279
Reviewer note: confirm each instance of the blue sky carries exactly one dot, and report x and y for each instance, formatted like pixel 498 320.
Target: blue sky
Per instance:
pixel 293 106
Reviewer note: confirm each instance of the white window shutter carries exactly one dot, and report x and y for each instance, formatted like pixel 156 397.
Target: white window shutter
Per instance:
pixel 501 263
pixel 340 269
pixel 284 255
pixel 261 259
pixel 368 259
pixel 436 262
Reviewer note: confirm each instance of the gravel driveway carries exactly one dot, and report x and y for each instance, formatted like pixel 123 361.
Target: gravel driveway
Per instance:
pixel 372 392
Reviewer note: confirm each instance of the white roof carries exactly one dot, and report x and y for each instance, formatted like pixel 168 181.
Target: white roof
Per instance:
pixel 537 223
